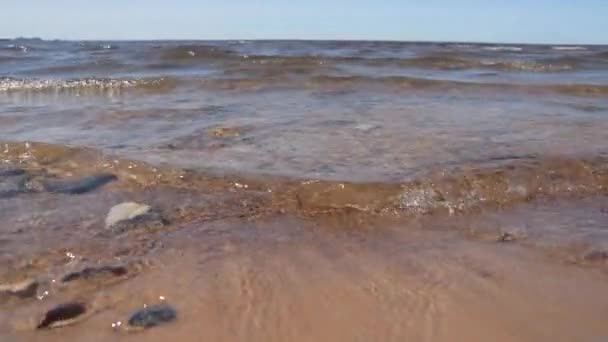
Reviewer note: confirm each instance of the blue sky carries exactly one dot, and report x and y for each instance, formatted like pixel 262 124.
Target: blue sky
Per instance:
pixel 546 21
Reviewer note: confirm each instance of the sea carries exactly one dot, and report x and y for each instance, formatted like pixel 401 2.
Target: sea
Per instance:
pixel 304 190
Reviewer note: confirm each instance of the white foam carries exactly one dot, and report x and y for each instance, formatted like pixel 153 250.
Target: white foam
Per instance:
pixel 569 48
pixel 503 48
pixel 9 84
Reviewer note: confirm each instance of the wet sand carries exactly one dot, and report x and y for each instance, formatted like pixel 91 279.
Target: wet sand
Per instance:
pixel 240 261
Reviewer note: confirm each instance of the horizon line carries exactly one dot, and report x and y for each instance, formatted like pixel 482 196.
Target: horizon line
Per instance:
pixel 302 40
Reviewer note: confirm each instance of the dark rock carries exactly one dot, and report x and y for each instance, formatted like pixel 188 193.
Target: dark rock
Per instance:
pixel 24 289
pixel 11 172
pixel 152 316
pixel 506 237
pixel 62 315
pixel 80 186
pixel 94 272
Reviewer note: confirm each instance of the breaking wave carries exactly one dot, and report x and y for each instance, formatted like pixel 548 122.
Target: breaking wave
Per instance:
pixel 484 185
pixel 9 84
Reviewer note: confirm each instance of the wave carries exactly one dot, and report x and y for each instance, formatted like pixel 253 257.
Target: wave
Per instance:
pixel 184 53
pixel 86 46
pixel 399 83
pixel 461 191
pixel 16 47
pixel 457 62
pixel 8 84
pixel 226 55
pixel 90 67
pixel 443 62
pixel 440 61
pixel 482 185
pixel 290 78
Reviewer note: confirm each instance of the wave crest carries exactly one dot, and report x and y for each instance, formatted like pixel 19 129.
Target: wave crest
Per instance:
pixel 194 52
pixel 398 83
pixel 465 189
pixel 9 84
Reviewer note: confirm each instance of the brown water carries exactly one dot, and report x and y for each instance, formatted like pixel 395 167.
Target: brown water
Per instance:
pixel 309 191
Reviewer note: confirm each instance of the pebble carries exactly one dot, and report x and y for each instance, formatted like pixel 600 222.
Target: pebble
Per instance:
pixel 62 315
pixel 130 215
pixel 152 316
pixel 506 237
pixel 81 185
pixel 23 289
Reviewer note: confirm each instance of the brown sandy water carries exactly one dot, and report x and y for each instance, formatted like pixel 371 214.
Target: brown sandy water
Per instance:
pixel 305 191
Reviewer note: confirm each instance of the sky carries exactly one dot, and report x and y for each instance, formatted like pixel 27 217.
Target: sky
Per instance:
pixel 515 21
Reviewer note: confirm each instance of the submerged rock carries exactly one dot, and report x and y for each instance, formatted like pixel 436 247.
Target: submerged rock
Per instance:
pixel 11 186
pixel 24 289
pixel 11 172
pixel 62 315
pixel 130 215
pixel 95 272
pixel 81 185
pixel 152 316
pixel 17 181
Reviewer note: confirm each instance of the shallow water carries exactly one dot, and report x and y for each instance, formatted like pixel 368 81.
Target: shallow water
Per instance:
pixel 342 110
pixel 309 191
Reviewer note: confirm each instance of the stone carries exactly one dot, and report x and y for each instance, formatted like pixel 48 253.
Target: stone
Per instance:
pixel 80 185
pixel 23 289
pixel 62 315
pixel 130 215
pixel 152 316
pixel 506 237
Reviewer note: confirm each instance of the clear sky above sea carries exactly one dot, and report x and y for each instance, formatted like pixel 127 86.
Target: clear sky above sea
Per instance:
pixel 523 21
